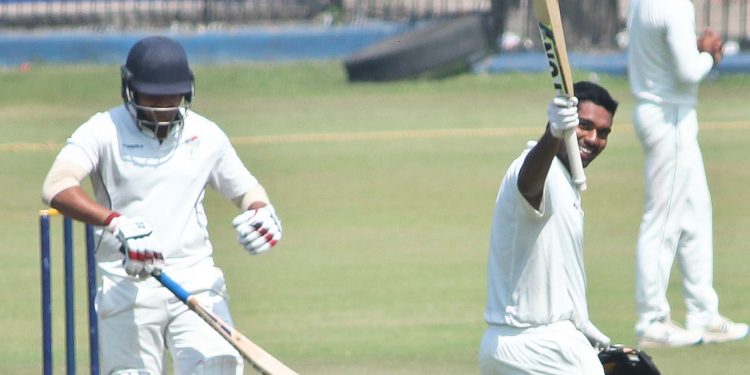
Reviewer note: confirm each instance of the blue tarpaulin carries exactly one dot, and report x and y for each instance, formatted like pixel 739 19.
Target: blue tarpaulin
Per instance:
pixel 287 43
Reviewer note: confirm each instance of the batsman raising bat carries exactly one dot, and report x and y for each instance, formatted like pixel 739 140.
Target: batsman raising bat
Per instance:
pixel 537 314
pixel 149 161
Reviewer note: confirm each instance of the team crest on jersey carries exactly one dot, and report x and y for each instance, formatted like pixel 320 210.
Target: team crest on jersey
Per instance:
pixel 191 143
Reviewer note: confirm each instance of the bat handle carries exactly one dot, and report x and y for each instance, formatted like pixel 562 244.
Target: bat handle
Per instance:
pixel 170 284
pixel 574 159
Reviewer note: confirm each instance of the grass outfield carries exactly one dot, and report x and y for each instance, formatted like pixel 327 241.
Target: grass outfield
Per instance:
pixel 386 193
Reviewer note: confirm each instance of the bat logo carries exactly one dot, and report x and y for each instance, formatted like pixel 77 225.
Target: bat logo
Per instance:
pixel 551 50
pixel 552 59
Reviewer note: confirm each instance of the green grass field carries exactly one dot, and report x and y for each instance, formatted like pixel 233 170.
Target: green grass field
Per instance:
pixel 386 193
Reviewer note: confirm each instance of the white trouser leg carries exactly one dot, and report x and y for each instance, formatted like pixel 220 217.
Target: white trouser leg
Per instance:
pixel 695 251
pixel 137 320
pixel 659 231
pixel 131 319
pixel 677 214
pixel 196 347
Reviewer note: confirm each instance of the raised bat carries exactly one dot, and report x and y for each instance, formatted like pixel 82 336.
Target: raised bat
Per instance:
pixel 553 38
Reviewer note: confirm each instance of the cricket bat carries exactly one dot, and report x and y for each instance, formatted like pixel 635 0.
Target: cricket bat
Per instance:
pixel 260 359
pixel 553 38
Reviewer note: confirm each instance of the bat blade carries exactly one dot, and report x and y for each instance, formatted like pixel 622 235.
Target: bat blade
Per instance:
pixel 259 358
pixel 264 362
pixel 553 39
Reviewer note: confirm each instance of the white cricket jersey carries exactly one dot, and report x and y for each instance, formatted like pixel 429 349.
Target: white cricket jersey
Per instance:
pixel 535 272
pixel 163 183
pixel 664 63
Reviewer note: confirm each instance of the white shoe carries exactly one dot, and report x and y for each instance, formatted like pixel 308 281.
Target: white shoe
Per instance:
pixel 665 333
pixel 722 330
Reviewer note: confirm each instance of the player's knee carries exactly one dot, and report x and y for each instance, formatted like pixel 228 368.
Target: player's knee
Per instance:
pixel 132 371
pixel 220 365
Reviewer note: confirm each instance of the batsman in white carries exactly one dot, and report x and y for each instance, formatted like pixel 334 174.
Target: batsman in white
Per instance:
pixel 149 161
pixel 666 66
pixel 537 314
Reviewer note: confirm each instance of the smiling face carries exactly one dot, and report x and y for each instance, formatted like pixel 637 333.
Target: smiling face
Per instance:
pixel 592 132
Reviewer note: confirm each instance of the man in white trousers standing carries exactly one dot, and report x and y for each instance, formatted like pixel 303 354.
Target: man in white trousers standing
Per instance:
pixel 150 160
pixel 666 66
pixel 537 314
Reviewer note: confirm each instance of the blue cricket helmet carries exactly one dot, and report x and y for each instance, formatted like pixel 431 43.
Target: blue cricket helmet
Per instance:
pixel 158 65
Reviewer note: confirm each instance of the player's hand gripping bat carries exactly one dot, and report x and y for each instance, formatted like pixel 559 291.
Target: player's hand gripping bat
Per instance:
pixel 254 354
pixel 553 38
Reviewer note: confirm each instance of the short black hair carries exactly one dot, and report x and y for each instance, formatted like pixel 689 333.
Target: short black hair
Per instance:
pixel 589 91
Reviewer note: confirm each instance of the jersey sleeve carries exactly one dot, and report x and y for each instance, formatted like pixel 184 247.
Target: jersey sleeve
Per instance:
pixel 229 176
pixel 691 65
pixel 83 148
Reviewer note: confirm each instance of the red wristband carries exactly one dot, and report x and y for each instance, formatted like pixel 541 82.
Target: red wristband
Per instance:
pixel 110 217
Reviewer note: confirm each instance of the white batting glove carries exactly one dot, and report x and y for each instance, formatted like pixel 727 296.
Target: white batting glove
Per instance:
pixel 139 248
pixel 258 230
pixel 595 336
pixel 563 114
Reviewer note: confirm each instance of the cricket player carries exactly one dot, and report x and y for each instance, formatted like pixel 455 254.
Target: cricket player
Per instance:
pixel 537 315
pixel 149 161
pixel 666 66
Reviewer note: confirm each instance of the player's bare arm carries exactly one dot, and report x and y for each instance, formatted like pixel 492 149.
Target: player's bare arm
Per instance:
pixel 534 170
pixel 74 202
pixel 563 114
pixel 62 191
pixel 141 257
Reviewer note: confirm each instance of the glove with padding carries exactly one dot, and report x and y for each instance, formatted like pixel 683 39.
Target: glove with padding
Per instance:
pixel 563 115
pixel 624 360
pixel 139 247
pixel 258 230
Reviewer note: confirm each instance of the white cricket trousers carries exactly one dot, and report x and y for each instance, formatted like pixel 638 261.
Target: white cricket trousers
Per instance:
pixel 138 320
pixel 677 218
pixel 553 349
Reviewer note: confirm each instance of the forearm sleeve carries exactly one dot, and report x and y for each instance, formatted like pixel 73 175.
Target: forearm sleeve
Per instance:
pixel 62 175
pixel 691 65
pixel 256 194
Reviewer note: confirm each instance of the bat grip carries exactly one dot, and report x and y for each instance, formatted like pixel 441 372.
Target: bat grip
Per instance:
pixel 574 159
pixel 170 284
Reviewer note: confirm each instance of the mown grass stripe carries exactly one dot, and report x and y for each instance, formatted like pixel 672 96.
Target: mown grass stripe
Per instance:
pixel 369 136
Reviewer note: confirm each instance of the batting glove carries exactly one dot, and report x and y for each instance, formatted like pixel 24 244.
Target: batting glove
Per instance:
pixel 141 256
pixel 595 336
pixel 563 115
pixel 258 230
